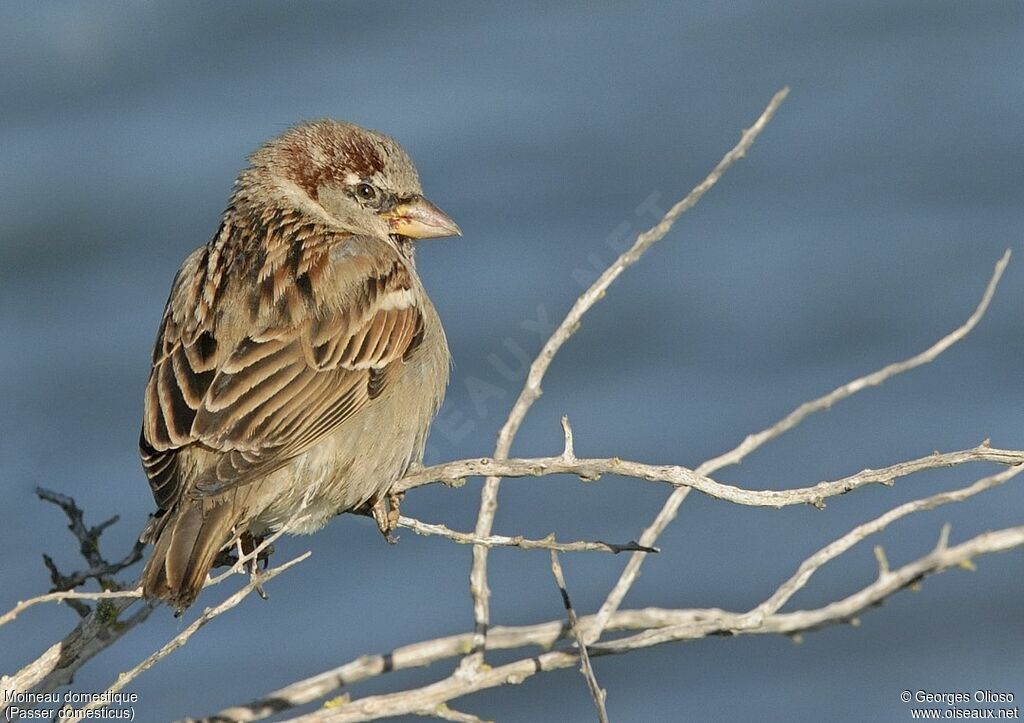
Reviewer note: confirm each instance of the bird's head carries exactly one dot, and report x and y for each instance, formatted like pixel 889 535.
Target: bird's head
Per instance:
pixel 362 180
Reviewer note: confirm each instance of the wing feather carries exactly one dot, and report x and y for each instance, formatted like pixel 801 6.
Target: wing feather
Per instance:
pixel 262 400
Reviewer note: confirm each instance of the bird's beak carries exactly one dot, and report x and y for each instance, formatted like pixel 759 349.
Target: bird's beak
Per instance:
pixel 416 217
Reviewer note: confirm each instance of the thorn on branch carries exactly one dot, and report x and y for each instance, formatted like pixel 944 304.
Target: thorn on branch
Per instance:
pixel 568 452
pixel 883 562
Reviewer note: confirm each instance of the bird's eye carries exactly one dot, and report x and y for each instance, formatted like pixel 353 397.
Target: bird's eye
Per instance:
pixel 366 192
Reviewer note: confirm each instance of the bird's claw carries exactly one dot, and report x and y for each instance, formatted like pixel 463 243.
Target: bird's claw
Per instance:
pixel 385 512
pixel 255 579
pixel 245 545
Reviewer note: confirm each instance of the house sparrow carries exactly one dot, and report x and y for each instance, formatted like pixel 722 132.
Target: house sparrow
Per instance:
pixel 299 361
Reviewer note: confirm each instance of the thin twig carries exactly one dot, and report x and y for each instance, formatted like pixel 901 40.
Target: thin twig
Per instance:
pixel 836 548
pixel 547 543
pixel 754 441
pixel 66 595
pixel 586 668
pixel 532 388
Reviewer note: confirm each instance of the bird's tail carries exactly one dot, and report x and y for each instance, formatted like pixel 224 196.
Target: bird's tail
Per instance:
pixel 186 545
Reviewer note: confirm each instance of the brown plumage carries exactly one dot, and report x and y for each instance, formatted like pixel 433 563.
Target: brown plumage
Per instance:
pixel 299 361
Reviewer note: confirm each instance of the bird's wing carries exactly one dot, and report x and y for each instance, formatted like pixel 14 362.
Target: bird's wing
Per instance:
pixel 265 399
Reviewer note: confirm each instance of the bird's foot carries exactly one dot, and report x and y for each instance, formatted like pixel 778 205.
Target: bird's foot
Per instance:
pixel 394 508
pixel 385 512
pixel 246 544
pixel 256 579
pixel 243 545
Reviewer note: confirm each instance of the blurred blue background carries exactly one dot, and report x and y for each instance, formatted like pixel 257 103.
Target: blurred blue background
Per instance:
pixel 861 227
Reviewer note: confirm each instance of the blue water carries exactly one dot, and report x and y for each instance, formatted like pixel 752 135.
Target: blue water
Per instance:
pixel 861 227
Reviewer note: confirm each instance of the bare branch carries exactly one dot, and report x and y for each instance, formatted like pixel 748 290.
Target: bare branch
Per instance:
pixel 590 469
pixel 586 668
pixel 847 609
pixel 181 638
pixel 754 441
pixel 697 624
pixel 547 543
pixel 418 655
pixel 98 636
pixel 678 476
pixel 532 389
pixel 657 625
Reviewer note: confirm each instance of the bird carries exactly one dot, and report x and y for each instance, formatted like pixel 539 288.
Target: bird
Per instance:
pixel 299 361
